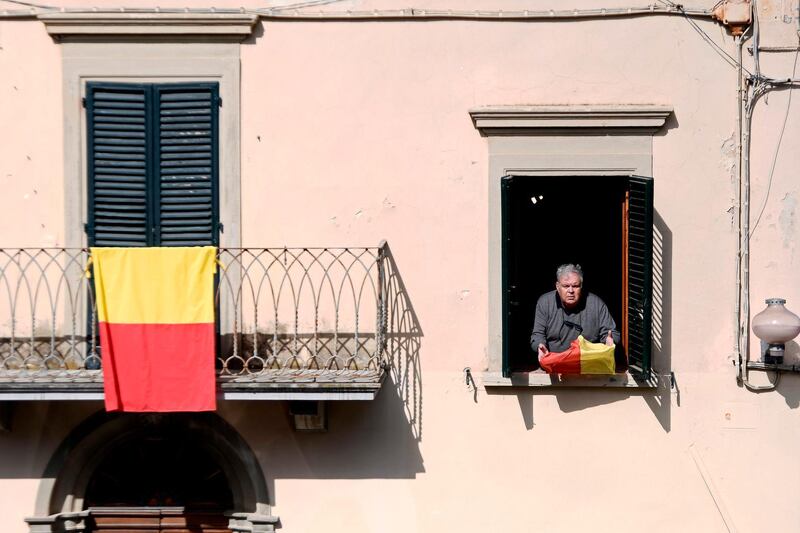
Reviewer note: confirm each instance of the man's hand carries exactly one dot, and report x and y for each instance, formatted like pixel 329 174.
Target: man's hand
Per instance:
pixel 609 339
pixel 543 351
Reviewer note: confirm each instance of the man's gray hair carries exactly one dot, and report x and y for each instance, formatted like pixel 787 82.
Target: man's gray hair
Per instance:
pixel 569 268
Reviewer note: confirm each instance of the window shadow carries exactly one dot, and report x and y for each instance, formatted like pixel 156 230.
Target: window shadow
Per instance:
pixel 258 32
pixel 661 402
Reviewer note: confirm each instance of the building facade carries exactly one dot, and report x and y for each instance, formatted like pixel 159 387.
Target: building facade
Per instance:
pixel 390 187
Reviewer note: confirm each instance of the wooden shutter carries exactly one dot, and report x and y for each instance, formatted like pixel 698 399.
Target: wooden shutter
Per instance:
pixel 152 164
pixel 187 170
pixel 640 274
pixel 117 138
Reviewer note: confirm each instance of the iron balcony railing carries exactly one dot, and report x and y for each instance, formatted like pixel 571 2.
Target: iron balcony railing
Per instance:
pixel 284 315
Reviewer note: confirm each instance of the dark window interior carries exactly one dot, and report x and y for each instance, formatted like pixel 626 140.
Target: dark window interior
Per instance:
pixel 549 221
pixel 165 466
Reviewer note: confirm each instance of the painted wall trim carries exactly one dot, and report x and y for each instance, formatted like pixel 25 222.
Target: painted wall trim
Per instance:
pixel 526 120
pixel 106 24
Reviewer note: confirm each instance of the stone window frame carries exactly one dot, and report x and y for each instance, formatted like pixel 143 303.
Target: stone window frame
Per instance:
pixel 557 140
pixel 150 48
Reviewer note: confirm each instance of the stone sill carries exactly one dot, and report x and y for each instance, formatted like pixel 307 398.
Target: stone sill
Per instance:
pixel 495 381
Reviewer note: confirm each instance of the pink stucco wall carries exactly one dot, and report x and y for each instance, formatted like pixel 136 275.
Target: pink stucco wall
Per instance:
pixel 356 132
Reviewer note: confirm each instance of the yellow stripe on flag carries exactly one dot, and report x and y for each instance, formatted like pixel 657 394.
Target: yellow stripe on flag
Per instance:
pixel 173 285
pixel 596 358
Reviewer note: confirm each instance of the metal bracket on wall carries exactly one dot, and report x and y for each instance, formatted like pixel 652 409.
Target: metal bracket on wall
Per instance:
pixel 765 367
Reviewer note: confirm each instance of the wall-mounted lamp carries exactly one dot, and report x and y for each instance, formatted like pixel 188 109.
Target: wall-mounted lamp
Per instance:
pixel 775 325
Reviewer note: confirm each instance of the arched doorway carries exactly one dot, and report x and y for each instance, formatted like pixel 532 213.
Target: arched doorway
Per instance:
pixel 153 473
pixel 161 477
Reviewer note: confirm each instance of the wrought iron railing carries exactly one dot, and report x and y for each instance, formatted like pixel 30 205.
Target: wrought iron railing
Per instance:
pixel 281 311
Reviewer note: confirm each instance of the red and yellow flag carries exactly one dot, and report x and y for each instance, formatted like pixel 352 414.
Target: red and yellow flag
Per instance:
pixel 582 357
pixel 155 307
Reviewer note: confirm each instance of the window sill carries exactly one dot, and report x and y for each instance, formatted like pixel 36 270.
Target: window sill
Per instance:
pixel 495 380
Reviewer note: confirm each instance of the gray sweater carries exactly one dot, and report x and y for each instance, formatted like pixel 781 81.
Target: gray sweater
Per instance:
pixel 556 327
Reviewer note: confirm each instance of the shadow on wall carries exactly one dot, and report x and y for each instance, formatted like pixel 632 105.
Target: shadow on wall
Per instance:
pixel 376 439
pixel 403 341
pixel 660 400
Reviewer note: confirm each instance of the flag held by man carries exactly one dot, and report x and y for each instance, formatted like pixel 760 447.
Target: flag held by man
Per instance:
pixel 582 357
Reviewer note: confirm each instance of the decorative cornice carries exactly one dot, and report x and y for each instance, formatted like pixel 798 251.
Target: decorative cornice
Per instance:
pixel 149 24
pixel 531 120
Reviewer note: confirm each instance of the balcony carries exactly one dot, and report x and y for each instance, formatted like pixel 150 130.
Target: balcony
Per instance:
pixel 294 323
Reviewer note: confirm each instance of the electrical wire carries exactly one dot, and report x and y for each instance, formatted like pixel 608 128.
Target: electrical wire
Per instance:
pixel 707 38
pixel 777 148
pixel 310 3
pixel 28 4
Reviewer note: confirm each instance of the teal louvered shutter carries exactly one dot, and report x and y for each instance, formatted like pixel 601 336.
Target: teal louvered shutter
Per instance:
pixel 640 274
pixel 117 138
pixel 152 164
pixel 186 175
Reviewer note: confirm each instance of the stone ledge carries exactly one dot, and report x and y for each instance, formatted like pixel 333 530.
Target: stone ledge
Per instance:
pixel 521 120
pixel 148 24
pixel 495 380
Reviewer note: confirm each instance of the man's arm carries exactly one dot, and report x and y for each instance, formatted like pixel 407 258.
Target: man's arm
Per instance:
pixel 539 333
pixel 607 324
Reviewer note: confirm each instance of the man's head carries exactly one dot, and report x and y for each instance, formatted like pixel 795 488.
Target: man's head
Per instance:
pixel 569 280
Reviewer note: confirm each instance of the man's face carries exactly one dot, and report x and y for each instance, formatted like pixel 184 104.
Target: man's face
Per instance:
pixel 569 289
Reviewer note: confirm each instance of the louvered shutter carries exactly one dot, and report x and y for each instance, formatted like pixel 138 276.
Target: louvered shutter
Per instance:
pixel 152 164
pixel 640 273
pixel 117 138
pixel 187 169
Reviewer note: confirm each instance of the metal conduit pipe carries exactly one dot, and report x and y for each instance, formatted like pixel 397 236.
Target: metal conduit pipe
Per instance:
pixel 759 85
pixel 296 13
pixel 740 98
pixel 759 90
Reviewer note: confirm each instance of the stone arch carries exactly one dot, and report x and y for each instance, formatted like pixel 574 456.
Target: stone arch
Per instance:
pixel 60 498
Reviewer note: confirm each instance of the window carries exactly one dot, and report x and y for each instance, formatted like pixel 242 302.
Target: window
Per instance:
pixel 152 164
pixel 551 150
pixel 603 223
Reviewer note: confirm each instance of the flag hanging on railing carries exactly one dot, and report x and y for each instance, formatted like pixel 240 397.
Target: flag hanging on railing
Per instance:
pixel 582 357
pixel 155 309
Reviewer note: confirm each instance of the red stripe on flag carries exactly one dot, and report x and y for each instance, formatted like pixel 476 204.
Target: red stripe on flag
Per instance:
pixel 566 362
pixel 158 367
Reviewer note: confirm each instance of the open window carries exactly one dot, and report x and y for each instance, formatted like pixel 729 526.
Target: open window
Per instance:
pixel 605 224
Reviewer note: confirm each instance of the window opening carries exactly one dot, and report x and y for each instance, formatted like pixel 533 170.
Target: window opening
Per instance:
pixel 602 223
